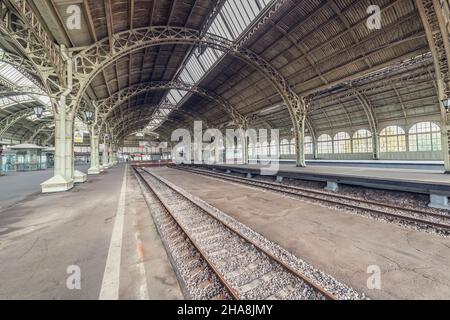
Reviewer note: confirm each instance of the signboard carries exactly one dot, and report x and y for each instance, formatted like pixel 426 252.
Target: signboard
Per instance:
pixel 78 137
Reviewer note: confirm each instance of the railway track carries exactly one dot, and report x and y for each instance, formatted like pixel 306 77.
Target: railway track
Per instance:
pixel 240 266
pixel 417 217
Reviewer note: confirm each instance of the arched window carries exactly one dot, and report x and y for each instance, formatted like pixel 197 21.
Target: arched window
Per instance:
pixel 292 146
pixel 309 145
pixel 325 144
pixel 284 147
pixel 392 139
pixel 342 143
pixel 425 136
pixel 362 141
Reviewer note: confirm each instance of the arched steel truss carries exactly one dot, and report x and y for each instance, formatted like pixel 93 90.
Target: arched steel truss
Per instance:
pixel 435 16
pixel 137 115
pixel 9 121
pixel 22 65
pixel 90 61
pixel 107 106
pixel 38 130
pixel 27 34
pixel 132 126
pixel 23 29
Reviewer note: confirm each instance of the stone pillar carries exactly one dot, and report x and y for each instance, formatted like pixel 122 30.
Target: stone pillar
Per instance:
pixel 446 145
pixel 63 178
pixel 105 156
pixel 95 158
pixel 299 133
pixel 315 149
pixel 111 155
pixel 1 159
pixel 435 16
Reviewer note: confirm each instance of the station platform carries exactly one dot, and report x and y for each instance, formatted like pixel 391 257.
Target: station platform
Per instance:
pixel 432 182
pixel 100 235
pixel 17 186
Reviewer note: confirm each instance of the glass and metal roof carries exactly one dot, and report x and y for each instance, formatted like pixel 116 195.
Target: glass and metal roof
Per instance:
pixel 12 77
pixel 232 20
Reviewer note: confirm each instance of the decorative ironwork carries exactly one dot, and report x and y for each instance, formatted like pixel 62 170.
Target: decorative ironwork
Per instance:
pixel 107 106
pixel 435 16
pixel 89 62
pixel 9 121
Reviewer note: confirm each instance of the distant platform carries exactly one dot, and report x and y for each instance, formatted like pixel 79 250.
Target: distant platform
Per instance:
pixel 432 182
pixel 401 164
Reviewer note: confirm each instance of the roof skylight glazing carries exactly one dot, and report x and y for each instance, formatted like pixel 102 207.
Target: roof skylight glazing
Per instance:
pixel 232 20
pixel 9 75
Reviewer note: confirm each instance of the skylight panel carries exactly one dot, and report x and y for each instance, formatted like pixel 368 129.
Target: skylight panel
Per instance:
pixel 234 17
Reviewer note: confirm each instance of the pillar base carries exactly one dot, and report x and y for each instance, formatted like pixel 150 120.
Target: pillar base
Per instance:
pixel 93 171
pixel 57 183
pixel 79 177
pixel 439 201
pixel 332 186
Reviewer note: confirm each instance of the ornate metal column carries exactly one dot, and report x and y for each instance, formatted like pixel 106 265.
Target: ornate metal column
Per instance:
pixel 105 155
pixel 111 153
pixel 435 17
pixel 63 171
pixel 95 158
pixel 242 126
pixel 298 114
pixel 376 145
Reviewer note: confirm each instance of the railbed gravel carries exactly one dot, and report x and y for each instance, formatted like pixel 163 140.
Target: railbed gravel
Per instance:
pixel 404 199
pixel 338 289
pixel 198 280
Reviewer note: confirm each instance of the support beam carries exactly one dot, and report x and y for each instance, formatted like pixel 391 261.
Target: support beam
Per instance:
pixel 64 171
pixel 435 17
pixel 95 159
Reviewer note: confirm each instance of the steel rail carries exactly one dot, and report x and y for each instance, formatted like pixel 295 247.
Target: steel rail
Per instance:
pixel 294 190
pixel 230 290
pixel 304 278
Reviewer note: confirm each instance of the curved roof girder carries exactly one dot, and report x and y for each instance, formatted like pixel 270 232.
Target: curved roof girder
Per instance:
pixel 9 121
pixel 137 113
pixel 90 61
pixel 30 37
pixel 38 130
pixel 107 106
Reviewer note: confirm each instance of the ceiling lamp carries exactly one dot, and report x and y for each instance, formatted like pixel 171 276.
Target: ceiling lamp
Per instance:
pixel 446 103
pixel 88 115
pixel 38 111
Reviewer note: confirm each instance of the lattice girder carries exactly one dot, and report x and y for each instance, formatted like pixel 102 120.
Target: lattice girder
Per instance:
pixel 92 60
pixel 107 106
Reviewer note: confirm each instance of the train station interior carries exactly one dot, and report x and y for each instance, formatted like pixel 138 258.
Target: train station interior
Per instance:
pixel 224 150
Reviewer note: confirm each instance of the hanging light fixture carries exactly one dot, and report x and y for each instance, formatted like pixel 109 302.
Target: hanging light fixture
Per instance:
pixel 446 103
pixel 38 111
pixel 88 115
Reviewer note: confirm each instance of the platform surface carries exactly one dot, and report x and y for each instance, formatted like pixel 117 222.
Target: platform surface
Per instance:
pixel 45 234
pixel 398 179
pixel 17 186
